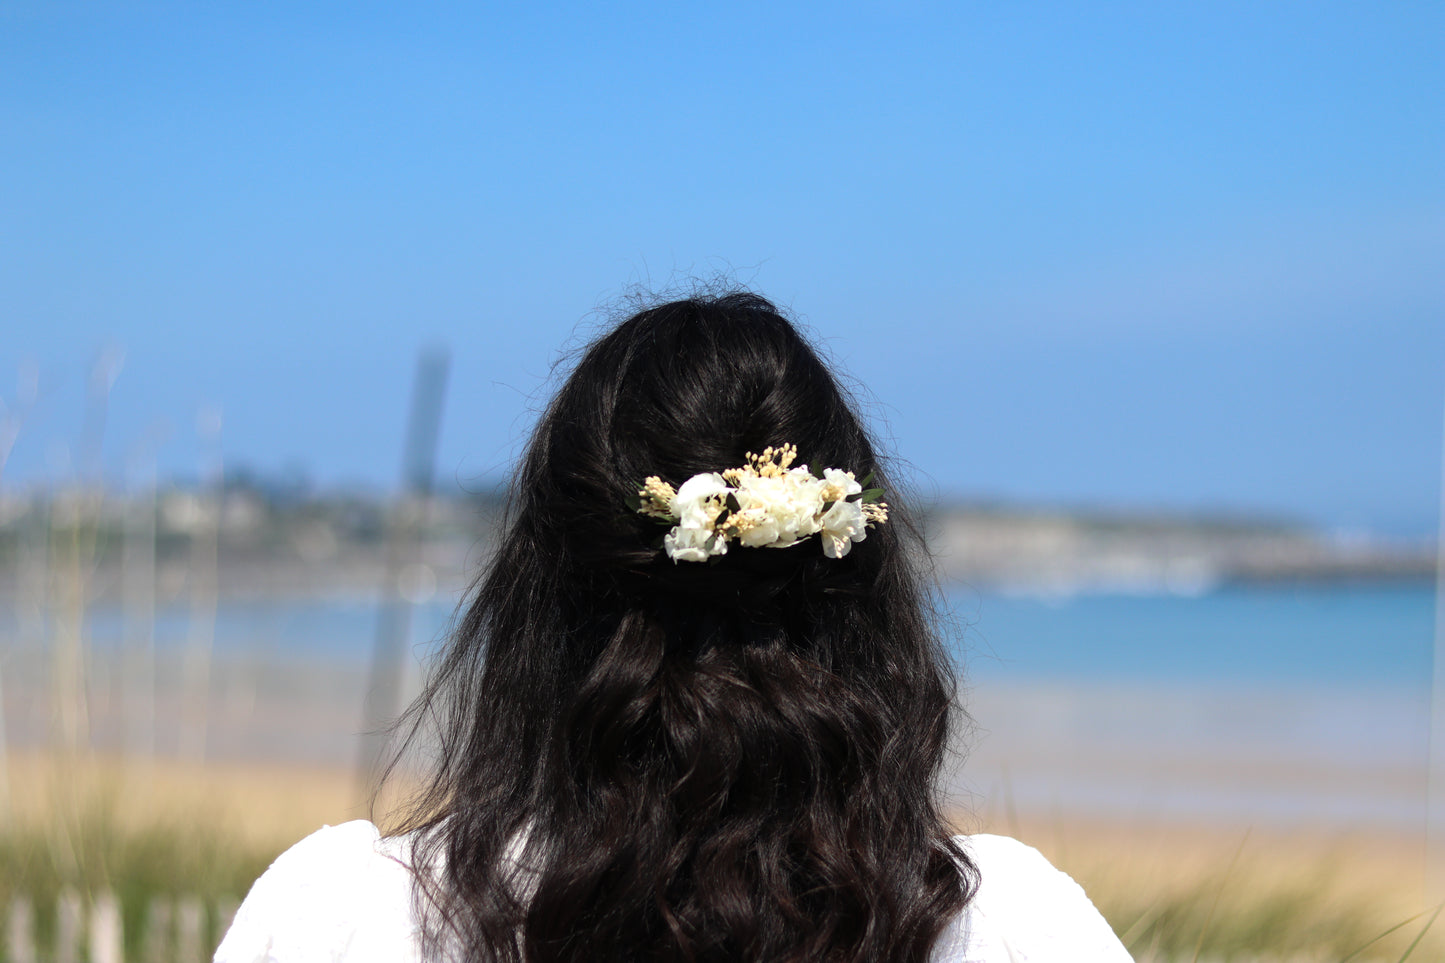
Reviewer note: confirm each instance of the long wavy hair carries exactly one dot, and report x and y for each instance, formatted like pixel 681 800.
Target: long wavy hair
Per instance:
pixel 638 759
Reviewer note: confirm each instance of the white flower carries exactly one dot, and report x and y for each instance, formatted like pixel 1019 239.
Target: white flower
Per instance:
pixel 839 484
pixel 779 510
pixel 842 525
pixel 699 500
pixel 697 505
pixel 844 522
pixel 691 544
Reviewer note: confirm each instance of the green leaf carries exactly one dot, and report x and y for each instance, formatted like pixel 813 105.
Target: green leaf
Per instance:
pixel 817 473
pixel 722 517
pixel 733 504
pixel 710 544
pixel 871 495
pixel 828 505
pixel 867 479
pixel 634 501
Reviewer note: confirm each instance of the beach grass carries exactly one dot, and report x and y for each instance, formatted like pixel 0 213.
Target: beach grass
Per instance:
pixel 166 863
pixel 1240 919
pixel 1217 893
pixel 160 835
pixel 1173 893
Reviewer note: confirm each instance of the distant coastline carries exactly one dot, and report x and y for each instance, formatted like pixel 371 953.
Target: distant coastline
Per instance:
pixel 338 544
pixel 1058 552
pixel 244 628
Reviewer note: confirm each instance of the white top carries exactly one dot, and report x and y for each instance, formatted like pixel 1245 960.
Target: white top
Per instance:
pixel 343 894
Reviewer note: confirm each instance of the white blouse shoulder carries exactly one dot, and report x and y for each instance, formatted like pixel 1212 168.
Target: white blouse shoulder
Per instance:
pixel 1025 911
pixel 343 894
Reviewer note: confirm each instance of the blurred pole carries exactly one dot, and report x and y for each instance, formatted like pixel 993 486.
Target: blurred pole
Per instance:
pixel 138 601
pixel 34 607
pixel 201 626
pixel 67 623
pixel 407 524
pixel 9 431
pixel 81 520
pixel 1435 793
pixel 27 632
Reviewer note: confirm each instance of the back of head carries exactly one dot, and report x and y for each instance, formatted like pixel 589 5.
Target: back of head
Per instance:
pixel 643 758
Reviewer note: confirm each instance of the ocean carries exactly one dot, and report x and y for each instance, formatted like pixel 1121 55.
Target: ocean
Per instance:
pixel 1252 706
pixel 1371 636
pixel 1246 705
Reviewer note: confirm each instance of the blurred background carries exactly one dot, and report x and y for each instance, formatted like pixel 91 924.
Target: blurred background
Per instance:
pixel 1147 302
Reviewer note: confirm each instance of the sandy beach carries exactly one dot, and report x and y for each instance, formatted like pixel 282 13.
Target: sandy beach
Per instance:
pixel 1134 868
pixel 1232 757
pixel 1160 801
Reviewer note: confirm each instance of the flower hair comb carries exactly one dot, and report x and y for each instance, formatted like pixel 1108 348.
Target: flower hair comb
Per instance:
pixel 767 503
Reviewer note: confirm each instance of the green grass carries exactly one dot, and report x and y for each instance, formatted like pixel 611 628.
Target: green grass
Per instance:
pixel 1294 923
pixel 1231 917
pixel 1232 912
pixel 93 855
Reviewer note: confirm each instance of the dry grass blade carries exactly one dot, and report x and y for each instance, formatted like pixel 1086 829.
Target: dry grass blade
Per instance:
pixel 1145 919
pixel 1375 939
pixel 1208 919
pixel 1421 935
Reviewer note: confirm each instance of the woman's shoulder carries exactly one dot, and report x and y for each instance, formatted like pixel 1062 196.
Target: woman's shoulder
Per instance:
pixel 1025 910
pixel 342 893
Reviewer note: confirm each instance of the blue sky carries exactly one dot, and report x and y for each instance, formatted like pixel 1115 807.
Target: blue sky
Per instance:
pixel 1166 256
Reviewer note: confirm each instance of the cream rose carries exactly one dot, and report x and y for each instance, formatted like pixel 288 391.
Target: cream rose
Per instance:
pixel 780 510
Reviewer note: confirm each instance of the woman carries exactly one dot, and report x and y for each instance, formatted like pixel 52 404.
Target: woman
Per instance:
pixel 695 708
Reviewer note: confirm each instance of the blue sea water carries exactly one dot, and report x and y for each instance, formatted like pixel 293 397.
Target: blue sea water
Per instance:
pixel 1373 636
pixel 328 628
pixel 1096 702
pixel 1249 705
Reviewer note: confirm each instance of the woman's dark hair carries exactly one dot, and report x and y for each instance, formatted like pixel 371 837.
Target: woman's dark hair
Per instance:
pixel 642 759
